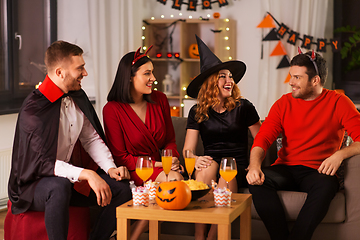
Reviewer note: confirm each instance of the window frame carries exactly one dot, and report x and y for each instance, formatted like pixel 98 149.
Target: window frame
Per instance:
pixel 12 98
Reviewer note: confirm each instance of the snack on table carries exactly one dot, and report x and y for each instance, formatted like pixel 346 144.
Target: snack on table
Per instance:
pixel 222 197
pixel 196 185
pixel 140 196
pixel 151 186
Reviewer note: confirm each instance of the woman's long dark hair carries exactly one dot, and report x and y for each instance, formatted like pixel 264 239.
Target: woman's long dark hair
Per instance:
pixel 120 90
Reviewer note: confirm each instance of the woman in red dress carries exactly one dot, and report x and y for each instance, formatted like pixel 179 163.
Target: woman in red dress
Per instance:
pixel 137 121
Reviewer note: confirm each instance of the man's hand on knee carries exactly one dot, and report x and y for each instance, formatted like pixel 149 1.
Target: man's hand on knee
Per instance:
pixel 255 176
pixel 98 185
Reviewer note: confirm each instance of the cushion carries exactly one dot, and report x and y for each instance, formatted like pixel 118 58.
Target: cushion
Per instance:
pixel 31 225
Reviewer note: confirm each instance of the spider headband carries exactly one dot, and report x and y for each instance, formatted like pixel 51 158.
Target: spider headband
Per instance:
pixel 137 55
pixel 312 59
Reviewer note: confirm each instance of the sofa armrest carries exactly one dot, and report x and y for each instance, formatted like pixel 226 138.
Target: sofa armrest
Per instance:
pixel 351 187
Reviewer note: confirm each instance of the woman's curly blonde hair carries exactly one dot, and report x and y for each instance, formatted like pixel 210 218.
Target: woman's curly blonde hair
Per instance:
pixel 208 97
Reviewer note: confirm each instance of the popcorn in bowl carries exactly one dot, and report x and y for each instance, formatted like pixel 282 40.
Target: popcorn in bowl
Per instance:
pixel 140 196
pixel 198 188
pixel 195 185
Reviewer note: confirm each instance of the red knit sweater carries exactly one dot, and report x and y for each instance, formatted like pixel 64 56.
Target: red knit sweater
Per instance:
pixel 312 130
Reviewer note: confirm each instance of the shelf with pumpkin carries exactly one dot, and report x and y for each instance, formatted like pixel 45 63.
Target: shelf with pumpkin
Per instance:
pixel 175 51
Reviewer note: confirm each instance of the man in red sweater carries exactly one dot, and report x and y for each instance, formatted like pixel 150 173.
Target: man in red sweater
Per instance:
pixel 312 121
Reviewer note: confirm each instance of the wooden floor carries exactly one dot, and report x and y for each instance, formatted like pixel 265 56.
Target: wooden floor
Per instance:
pixel 2 218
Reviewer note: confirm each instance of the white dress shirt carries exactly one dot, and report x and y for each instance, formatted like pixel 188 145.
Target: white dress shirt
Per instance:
pixel 75 125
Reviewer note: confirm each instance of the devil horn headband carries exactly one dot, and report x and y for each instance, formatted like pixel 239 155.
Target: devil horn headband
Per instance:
pixel 313 55
pixel 137 55
pixel 299 50
pixel 312 58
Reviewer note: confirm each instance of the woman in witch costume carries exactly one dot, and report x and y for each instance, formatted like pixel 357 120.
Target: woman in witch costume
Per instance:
pixel 222 118
pixel 137 121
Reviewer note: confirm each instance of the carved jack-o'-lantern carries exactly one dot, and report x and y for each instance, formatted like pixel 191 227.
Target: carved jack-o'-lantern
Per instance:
pixel 194 51
pixel 173 195
pixel 216 15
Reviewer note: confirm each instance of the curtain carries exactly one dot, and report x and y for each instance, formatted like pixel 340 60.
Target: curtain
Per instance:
pixel 113 25
pixel 106 31
pixel 303 16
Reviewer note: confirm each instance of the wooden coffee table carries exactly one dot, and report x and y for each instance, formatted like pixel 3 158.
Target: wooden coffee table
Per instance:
pixel 202 211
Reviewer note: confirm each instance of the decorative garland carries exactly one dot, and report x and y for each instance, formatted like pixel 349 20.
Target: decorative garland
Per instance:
pixel 192 4
pixel 276 34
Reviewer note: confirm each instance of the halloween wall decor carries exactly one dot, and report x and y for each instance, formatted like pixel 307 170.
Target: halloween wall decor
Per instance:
pixel 194 51
pixel 277 34
pixel 294 37
pixel 192 4
pixel 216 15
pixel 163 41
pixel 174 195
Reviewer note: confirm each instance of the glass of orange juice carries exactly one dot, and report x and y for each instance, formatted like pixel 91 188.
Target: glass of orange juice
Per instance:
pixel 189 162
pixel 166 159
pixel 228 169
pixel 144 168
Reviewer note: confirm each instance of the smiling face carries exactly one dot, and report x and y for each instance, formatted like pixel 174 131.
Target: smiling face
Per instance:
pixel 225 84
pixel 74 71
pixel 194 51
pixel 301 86
pixel 143 80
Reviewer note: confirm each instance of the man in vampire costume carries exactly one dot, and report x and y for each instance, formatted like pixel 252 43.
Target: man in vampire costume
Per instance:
pixel 50 170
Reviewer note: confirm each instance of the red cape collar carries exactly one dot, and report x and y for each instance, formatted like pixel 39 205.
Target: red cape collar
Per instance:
pixel 50 90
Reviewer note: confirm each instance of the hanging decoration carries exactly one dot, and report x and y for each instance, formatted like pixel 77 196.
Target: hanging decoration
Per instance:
pixel 192 4
pixel 162 41
pixel 293 37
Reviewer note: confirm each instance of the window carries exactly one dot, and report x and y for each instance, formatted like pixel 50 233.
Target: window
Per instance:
pixel 3 49
pixel 27 29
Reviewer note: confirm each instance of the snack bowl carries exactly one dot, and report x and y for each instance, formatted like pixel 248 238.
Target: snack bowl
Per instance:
pixel 196 194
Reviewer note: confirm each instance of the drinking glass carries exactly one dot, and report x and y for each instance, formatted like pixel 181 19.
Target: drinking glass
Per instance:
pixel 144 168
pixel 228 169
pixel 189 162
pixel 166 159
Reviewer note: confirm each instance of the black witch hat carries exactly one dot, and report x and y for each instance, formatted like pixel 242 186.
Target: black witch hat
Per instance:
pixel 209 64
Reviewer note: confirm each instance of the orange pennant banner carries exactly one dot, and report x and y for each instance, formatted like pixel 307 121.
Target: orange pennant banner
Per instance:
pixel 279 50
pixel 268 22
pixel 287 78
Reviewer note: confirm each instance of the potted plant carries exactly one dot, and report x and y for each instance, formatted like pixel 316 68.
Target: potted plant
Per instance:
pixel 350 51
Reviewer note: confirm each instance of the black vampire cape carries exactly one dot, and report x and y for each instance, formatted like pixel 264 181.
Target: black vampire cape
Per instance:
pixel 35 144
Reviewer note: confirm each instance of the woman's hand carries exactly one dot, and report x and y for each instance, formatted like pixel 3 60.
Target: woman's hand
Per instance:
pixel 175 166
pixel 202 162
pixel 119 173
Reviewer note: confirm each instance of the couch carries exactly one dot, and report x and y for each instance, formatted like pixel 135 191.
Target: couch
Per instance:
pixel 341 222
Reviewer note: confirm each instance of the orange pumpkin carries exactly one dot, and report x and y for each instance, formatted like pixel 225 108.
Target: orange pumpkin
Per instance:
pixel 194 51
pixel 173 195
pixel 216 15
